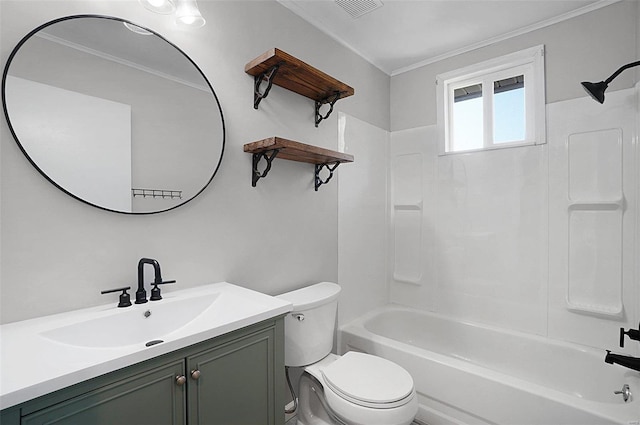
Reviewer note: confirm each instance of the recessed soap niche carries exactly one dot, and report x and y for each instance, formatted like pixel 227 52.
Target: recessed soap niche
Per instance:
pixel 595 214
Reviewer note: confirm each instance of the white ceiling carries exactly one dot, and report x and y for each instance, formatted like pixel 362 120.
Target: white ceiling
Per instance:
pixel 112 41
pixel 405 34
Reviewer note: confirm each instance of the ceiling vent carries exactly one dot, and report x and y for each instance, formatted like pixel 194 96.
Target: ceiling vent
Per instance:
pixel 357 8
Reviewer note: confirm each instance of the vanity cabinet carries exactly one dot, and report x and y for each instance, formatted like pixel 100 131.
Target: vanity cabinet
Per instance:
pixel 233 379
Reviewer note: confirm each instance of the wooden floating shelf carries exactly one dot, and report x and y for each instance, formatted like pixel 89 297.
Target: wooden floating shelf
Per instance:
pixel 296 151
pixel 297 76
pixel 280 68
pixel 269 148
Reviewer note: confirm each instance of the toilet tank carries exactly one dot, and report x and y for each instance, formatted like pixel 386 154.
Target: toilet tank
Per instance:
pixel 309 328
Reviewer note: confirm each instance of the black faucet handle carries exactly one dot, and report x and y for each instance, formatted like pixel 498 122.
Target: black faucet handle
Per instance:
pixel 125 298
pixel 155 291
pixel 631 333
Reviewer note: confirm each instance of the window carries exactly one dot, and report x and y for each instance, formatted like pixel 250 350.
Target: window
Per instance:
pixel 494 104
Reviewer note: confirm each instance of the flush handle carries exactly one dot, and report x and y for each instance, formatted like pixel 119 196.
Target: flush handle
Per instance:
pixel 195 374
pixel 180 380
pixel 298 316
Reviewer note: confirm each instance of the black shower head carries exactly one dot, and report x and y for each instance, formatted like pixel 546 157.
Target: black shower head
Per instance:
pixel 595 90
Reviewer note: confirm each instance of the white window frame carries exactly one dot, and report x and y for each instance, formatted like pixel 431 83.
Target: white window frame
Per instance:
pixel 528 62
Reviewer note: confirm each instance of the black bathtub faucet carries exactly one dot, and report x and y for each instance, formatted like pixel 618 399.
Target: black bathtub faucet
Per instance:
pixel 141 293
pixel 626 361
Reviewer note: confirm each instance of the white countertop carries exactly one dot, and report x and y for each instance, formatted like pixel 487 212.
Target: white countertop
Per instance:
pixel 32 365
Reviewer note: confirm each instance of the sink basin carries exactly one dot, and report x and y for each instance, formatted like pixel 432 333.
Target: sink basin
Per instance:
pixel 140 323
pixel 67 348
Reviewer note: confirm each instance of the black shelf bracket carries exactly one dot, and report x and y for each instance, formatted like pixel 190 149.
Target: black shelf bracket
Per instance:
pixel 319 167
pixel 267 76
pixel 268 156
pixel 331 100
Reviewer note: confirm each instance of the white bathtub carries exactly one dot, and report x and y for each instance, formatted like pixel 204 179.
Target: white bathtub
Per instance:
pixel 466 373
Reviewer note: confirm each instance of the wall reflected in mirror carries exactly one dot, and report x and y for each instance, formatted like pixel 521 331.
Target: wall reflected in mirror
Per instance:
pixel 101 110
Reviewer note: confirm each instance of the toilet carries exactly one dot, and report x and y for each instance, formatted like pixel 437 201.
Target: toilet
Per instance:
pixel 352 389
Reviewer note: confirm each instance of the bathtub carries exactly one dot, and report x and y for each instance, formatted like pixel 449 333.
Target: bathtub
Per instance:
pixel 467 373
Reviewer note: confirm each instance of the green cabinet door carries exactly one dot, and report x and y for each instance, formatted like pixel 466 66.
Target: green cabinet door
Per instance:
pixel 152 397
pixel 237 383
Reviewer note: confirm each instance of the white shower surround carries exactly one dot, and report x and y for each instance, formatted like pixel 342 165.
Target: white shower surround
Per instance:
pixel 505 237
pixel 522 295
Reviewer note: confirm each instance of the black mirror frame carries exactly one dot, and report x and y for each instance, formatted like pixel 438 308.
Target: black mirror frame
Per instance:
pixel 15 137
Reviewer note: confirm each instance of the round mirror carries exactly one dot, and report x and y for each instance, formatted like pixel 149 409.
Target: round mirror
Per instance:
pixel 113 114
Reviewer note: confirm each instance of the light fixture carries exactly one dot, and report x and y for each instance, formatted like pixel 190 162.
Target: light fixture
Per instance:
pixel 596 90
pixel 188 14
pixel 164 7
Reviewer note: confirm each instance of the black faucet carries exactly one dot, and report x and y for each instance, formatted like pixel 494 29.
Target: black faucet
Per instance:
pixel 626 361
pixel 631 333
pixel 125 298
pixel 141 294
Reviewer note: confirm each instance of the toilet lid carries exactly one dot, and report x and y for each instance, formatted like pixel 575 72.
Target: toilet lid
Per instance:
pixel 368 380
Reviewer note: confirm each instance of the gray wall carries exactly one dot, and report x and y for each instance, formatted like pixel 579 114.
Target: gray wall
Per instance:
pixel 57 253
pixel 589 47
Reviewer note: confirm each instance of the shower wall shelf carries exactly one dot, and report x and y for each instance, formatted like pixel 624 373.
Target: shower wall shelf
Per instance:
pixel 268 149
pixel 280 68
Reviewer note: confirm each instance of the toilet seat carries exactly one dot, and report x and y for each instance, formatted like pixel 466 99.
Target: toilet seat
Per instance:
pixel 369 381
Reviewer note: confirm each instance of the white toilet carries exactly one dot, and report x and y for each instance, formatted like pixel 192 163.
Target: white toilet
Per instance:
pixel 353 389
